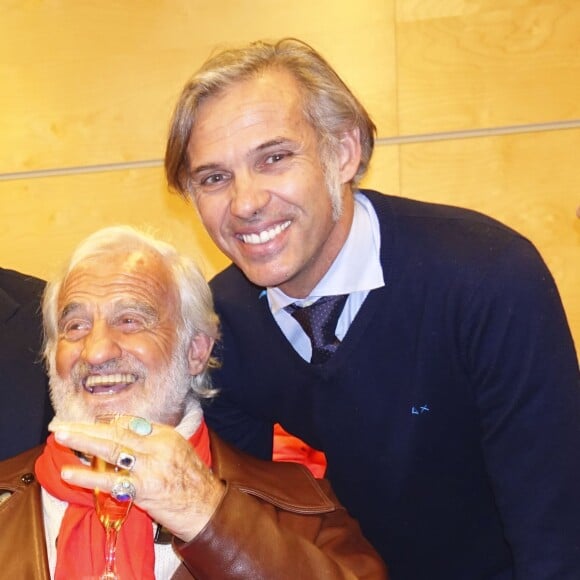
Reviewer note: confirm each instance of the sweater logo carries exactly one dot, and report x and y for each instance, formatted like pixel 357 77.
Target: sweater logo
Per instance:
pixel 419 410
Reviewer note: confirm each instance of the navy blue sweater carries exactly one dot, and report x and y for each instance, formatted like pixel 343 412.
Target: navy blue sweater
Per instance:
pixel 450 414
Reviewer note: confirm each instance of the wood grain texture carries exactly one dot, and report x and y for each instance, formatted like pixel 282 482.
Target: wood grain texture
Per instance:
pixel 384 171
pixel 42 220
pixel 89 82
pixel 465 64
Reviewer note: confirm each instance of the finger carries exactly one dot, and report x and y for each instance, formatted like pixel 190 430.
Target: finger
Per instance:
pixel 121 487
pixel 137 425
pixel 117 433
pixel 118 426
pixel 88 478
pixel 89 444
pixel 111 432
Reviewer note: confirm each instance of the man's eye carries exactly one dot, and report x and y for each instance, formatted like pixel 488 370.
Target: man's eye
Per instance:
pixel 130 323
pixel 75 329
pixel 213 180
pixel 275 158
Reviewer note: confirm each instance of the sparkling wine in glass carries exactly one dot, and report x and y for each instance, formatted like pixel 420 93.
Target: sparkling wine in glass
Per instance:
pixel 111 512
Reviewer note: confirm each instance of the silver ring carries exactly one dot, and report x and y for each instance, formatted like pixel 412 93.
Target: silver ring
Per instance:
pixel 140 426
pixel 126 461
pixel 124 490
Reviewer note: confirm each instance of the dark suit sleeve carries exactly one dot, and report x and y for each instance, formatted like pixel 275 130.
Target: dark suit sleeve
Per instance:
pixel 25 408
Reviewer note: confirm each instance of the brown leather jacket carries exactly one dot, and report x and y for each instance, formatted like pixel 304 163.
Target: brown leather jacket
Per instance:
pixel 275 521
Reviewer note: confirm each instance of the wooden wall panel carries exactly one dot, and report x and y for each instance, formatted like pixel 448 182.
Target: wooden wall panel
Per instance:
pixel 43 219
pixel 91 82
pixel 465 64
pixel 383 173
pixel 529 181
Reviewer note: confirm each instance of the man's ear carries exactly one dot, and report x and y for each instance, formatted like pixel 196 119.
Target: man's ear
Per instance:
pixel 199 353
pixel 349 152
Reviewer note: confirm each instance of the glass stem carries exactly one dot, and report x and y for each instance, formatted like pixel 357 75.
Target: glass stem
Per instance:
pixel 110 572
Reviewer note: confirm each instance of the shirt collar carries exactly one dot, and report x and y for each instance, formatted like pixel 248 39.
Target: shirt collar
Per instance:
pixel 348 273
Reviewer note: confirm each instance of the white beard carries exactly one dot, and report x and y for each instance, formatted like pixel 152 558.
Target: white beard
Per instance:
pixel 163 396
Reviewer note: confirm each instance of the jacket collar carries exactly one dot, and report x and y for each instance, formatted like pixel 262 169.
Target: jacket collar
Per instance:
pixel 23 551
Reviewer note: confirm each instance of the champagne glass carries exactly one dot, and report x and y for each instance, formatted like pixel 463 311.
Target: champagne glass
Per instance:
pixel 111 512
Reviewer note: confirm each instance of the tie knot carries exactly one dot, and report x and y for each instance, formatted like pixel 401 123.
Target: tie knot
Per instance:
pixel 319 322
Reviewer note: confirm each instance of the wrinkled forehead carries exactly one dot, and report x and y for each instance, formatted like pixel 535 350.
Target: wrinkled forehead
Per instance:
pixel 133 275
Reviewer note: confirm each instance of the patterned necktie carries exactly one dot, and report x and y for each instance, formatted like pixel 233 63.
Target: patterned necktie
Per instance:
pixel 319 322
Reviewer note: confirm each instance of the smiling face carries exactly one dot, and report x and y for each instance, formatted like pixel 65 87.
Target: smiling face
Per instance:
pixel 117 349
pixel 260 186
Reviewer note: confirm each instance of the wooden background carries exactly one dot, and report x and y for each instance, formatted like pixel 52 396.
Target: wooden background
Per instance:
pixel 477 104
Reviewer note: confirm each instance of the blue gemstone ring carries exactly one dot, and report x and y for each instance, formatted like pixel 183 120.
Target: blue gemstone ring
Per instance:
pixel 126 461
pixel 140 426
pixel 124 490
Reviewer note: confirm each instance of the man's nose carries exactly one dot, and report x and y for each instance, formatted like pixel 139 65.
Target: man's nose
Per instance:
pixel 249 195
pixel 100 345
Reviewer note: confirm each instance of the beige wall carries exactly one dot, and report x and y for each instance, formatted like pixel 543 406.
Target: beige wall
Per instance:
pixel 477 104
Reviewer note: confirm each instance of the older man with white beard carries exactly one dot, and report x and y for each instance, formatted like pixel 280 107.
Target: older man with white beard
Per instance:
pixel 130 328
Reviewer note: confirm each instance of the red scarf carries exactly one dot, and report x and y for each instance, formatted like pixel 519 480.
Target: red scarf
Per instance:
pixel 80 549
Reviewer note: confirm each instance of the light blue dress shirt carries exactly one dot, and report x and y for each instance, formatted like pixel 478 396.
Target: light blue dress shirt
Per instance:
pixel 349 274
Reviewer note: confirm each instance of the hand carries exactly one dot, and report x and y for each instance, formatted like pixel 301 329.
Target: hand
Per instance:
pixel 173 485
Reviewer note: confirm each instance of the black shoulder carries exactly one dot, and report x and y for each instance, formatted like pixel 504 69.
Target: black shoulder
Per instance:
pixel 21 287
pixel 232 286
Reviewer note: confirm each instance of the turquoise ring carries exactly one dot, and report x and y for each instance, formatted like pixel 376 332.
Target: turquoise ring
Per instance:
pixel 140 426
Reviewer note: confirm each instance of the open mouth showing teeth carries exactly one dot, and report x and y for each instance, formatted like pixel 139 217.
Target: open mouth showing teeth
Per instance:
pixel 108 384
pixel 266 235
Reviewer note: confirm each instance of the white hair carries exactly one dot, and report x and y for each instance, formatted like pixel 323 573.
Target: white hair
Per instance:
pixel 197 313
